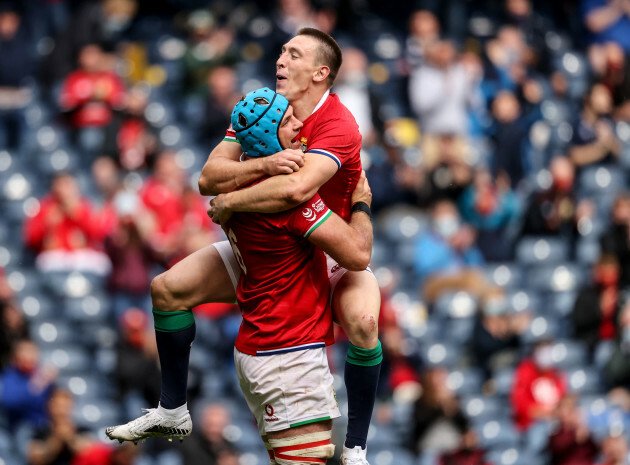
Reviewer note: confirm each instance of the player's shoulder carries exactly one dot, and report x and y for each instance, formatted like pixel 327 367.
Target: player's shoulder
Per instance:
pixel 337 116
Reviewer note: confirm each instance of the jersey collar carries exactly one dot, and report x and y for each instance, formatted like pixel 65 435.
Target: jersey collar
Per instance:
pixel 321 101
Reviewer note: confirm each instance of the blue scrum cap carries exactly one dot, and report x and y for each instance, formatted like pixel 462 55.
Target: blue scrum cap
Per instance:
pixel 256 119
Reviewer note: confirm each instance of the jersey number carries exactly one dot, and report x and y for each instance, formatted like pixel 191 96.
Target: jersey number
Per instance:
pixel 237 253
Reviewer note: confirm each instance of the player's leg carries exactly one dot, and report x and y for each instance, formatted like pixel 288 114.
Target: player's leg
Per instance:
pixel 356 303
pixel 302 445
pixel 201 277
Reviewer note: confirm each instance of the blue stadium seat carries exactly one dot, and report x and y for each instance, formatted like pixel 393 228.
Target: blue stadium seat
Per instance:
pixel 505 275
pixel 455 305
pixel 87 386
pixel 440 353
pixel 465 381
pixel 596 180
pixel 603 352
pixel 68 358
pixel 561 304
pixel 569 354
pixel 524 300
pixel 503 381
pixel 383 436
pixel 97 413
pixel 587 250
pixel 539 328
pixel 556 277
pixel 92 308
pixel 460 329
pixel 498 433
pixel 480 408
pixel 390 456
pixel 585 380
pixel 52 333
pixel 513 456
pixel 542 250
pixel 402 223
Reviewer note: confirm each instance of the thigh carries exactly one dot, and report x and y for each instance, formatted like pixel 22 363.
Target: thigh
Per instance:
pixel 199 278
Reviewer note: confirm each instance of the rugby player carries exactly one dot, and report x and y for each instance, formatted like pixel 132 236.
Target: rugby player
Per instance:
pixel 305 72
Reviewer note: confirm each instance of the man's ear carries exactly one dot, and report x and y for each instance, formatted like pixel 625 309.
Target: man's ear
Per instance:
pixel 321 74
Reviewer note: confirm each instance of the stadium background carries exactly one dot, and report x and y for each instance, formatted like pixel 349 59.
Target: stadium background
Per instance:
pixel 497 145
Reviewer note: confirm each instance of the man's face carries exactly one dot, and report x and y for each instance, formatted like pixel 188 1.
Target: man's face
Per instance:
pixel 289 129
pixel 295 68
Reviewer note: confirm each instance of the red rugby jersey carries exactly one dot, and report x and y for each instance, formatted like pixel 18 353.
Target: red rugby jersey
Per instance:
pixel 333 132
pixel 283 291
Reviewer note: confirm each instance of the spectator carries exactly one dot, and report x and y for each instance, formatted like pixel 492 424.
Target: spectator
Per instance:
pixel 67 234
pixel 26 387
pixel 571 443
pixel 533 26
pixel 492 208
pixel 91 93
pixel 222 95
pixel 60 440
pixel 424 31
pixel 137 369
pixel 130 138
pixel 496 336
pixel 617 369
pixel 209 443
pixel 537 388
pixel 468 453
pixel 132 254
pixel 13 328
pixel 614 450
pixel 446 256
pixel 438 424
pixel 98 453
pixel 595 307
pixel 616 240
pixel 508 58
pixel 594 139
pixel 210 46
pixel 554 210
pixel 608 20
pixel 509 137
pixel 440 90
pixel 102 22
pixel 16 67
pixel 353 88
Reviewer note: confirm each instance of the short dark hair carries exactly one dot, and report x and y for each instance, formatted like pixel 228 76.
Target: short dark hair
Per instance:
pixel 329 51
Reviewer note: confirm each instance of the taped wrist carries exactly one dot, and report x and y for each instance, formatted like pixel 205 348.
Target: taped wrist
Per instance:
pixel 305 449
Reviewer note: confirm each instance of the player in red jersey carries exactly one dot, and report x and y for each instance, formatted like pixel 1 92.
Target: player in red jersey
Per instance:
pixel 305 72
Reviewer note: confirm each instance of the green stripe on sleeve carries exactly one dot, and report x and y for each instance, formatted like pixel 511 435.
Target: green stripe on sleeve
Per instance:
pixel 317 224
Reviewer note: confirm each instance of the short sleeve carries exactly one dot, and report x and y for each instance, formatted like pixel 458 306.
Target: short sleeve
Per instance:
pixel 306 218
pixel 230 135
pixel 338 139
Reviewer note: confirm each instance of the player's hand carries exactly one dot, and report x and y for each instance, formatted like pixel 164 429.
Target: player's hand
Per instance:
pixel 362 192
pixel 285 162
pixel 217 211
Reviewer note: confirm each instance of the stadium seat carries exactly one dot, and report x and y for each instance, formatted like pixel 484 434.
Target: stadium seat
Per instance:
pixel 389 456
pixel 555 277
pixel 88 309
pixel 465 381
pixel 68 358
pixel 542 250
pixel 541 327
pixel 460 329
pixel 479 408
pixel 440 353
pixel 498 433
pixel 382 436
pixel 603 352
pixel 524 300
pixel 455 305
pixel 569 354
pixel 513 456
pixel 52 333
pixel 503 380
pixel 587 250
pixel 505 275
pixel 585 380
pixel 601 179
pixel 402 223
pixel 561 305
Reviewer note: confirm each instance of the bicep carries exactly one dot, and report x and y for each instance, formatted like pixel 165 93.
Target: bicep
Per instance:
pixel 317 170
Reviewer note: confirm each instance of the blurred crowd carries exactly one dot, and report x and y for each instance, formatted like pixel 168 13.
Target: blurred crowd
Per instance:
pixel 496 140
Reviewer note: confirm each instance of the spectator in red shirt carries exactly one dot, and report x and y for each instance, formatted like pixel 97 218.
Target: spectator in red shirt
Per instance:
pixel 571 443
pixel 67 233
pixel 91 93
pixel 538 387
pixel 180 212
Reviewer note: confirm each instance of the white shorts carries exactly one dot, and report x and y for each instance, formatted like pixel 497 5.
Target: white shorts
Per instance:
pixel 335 270
pixel 287 390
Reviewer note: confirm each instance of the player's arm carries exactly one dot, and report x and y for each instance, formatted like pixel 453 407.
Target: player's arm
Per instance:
pixel 225 172
pixel 349 244
pixel 277 193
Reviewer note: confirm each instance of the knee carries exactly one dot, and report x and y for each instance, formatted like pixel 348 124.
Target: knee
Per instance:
pixel 362 330
pixel 162 296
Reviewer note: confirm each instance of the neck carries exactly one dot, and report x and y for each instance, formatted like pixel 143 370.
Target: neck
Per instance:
pixel 304 105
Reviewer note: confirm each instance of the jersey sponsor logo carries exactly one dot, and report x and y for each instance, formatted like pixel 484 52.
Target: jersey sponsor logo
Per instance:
pixel 309 214
pixel 319 205
pixel 270 415
pixel 303 141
